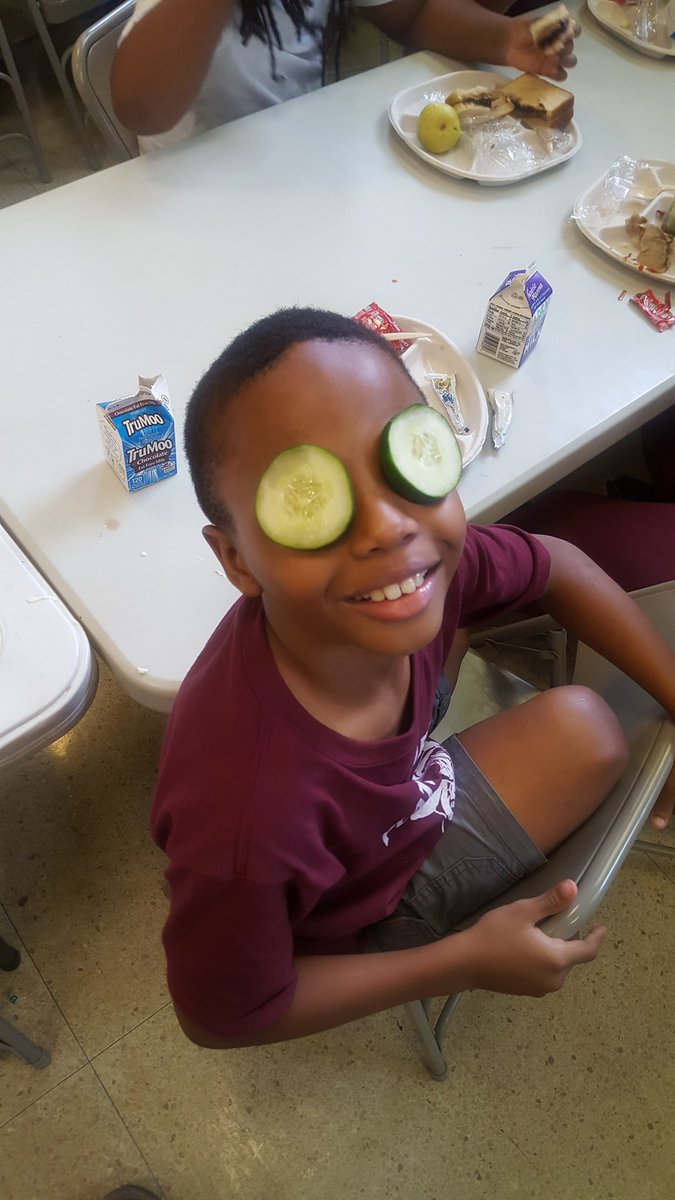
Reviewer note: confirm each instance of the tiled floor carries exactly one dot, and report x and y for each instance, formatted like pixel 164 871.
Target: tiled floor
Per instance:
pixel 565 1098
pixel 556 1099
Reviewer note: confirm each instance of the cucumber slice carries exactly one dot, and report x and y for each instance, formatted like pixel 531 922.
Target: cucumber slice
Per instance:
pixel 420 455
pixel 304 499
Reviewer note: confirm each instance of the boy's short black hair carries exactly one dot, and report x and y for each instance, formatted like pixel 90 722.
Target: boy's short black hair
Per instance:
pixel 253 352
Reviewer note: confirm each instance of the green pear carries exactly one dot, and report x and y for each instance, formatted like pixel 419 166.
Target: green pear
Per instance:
pixel 438 127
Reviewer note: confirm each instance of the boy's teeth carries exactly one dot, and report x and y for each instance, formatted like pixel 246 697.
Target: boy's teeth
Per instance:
pixel 394 591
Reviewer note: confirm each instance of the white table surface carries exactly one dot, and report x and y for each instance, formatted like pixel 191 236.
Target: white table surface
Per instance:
pixel 155 264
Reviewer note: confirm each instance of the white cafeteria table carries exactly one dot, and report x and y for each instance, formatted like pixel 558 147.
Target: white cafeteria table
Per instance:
pixel 152 266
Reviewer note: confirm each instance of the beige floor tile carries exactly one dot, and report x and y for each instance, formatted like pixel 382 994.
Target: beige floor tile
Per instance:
pixel 665 839
pixel 81 879
pixel 13 187
pixel 665 865
pixel 583 1081
pixel 349 1113
pixel 37 1016
pixel 70 1145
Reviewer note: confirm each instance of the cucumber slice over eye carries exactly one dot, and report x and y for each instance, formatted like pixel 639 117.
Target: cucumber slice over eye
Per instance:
pixel 420 455
pixel 304 500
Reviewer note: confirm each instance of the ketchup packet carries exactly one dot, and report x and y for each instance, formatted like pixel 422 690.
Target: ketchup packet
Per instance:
pixel 375 318
pixel 654 310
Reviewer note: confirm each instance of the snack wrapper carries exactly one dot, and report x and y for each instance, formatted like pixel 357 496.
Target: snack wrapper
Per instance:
pixel 445 387
pixel 138 434
pixel 375 318
pixel 655 311
pixel 501 403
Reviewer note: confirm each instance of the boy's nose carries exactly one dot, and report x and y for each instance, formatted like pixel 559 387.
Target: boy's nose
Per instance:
pixel 380 523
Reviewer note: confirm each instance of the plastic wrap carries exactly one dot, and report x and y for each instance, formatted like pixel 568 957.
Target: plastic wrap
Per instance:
pixel 505 143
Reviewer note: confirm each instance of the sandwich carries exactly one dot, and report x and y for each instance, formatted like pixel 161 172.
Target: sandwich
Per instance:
pixel 480 103
pixel 552 30
pixel 537 102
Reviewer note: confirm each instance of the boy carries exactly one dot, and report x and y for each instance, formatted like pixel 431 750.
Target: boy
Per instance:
pixel 183 66
pixel 306 815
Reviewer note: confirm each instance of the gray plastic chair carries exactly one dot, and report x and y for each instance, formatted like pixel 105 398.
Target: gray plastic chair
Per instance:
pixel 594 853
pixel 12 77
pixel 56 12
pixel 93 54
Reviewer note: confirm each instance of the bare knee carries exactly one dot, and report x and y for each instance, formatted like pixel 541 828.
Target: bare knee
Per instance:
pixel 592 732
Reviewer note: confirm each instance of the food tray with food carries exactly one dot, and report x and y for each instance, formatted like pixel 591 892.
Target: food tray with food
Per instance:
pixel 626 21
pixel 496 146
pixel 630 214
pixel 436 356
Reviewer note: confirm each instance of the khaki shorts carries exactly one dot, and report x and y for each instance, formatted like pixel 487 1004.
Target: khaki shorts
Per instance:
pixel 483 851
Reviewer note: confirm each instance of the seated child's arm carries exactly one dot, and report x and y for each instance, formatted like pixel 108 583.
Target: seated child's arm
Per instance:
pixel 595 609
pixel 503 952
pixel 162 62
pixel 467 30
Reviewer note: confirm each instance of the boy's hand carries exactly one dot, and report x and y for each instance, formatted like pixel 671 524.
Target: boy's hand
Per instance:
pixel 512 955
pixel 663 809
pixel 522 53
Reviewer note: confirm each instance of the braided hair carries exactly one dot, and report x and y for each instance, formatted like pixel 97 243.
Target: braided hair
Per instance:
pixel 258 20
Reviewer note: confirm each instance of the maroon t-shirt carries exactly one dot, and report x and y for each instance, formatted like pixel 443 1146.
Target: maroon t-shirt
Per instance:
pixel 284 837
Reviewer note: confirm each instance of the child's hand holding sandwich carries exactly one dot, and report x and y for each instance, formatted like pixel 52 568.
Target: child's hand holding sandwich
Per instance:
pixel 543 47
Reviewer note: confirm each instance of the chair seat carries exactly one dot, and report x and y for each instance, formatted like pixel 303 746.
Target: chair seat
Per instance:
pixel 594 853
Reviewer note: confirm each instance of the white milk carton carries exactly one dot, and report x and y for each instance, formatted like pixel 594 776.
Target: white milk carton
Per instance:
pixel 514 317
pixel 138 434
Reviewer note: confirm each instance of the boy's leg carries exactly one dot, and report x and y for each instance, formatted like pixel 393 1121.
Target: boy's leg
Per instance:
pixel 552 761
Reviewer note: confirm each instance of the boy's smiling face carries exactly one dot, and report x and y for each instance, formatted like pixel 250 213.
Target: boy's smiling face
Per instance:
pixel 338 395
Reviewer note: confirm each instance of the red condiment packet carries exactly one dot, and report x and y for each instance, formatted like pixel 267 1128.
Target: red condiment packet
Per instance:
pixel 654 310
pixel 375 318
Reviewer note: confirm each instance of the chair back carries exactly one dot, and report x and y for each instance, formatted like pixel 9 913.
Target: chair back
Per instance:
pixel 93 54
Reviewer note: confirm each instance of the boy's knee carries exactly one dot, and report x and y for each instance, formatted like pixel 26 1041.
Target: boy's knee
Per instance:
pixel 593 730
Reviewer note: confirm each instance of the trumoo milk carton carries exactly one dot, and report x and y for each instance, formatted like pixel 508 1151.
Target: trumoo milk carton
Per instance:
pixel 514 317
pixel 139 438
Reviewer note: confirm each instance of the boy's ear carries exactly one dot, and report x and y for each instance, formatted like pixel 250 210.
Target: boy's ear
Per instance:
pixel 230 558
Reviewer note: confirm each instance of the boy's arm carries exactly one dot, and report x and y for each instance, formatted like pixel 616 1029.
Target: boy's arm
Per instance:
pixel 503 952
pixel 595 609
pixel 467 30
pixel 162 62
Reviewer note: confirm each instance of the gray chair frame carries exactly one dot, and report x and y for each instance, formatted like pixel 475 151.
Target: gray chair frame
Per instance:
pixel 12 77
pixel 594 853
pixel 11 1037
pixel 55 12
pixel 92 58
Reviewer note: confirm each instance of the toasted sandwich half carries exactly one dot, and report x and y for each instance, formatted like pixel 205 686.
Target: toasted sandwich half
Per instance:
pixel 536 100
pixel 552 30
pixel 479 102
